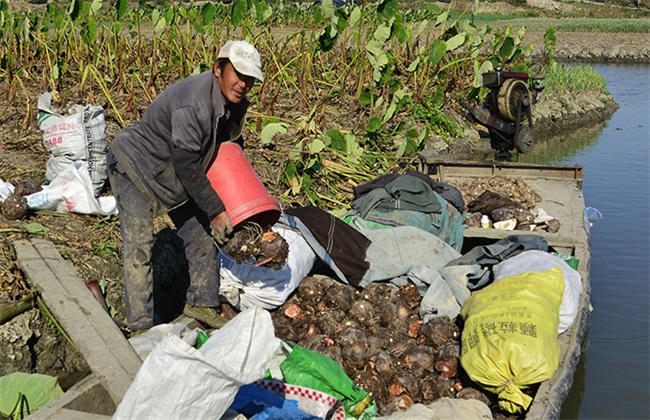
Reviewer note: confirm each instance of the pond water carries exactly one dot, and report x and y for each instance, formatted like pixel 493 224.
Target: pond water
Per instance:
pixel 612 381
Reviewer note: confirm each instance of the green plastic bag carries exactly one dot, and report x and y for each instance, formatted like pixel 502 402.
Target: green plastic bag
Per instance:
pixel 313 370
pixel 509 340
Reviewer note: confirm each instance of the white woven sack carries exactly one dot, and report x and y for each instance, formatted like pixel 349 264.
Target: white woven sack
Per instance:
pixel 80 135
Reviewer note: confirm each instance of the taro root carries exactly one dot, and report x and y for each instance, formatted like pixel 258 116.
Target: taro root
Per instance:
pixel 372 384
pixel 398 344
pixel 324 344
pixel 294 311
pixel 395 404
pixel 266 247
pixel 378 293
pixel 364 313
pixel 340 296
pixel 410 296
pixel 354 348
pixel 330 321
pixel 287 332
pixel 405 383
pixel 396 316
pixel 552 226
pixel 438 331
pixel 383 364
pixel 414 328
pixel 14 207
pixel 374 342
pixel 313 288
pixel 505 213
pixel 274 250
pixel 419 361
pixel 447 359
pixel 436 386
pixel 473 220
pixel 473 394
pixel 26 186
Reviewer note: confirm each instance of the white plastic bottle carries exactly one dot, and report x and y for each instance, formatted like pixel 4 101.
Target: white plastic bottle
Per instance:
pixel 485 221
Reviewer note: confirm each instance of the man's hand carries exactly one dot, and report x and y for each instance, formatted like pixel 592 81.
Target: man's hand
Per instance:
pixel 221 227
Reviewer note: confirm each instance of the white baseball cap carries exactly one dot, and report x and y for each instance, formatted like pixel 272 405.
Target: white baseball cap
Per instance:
pixel 243 57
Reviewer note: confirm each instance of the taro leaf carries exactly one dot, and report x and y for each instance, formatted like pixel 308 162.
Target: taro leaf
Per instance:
pixel 373 125
pixel 35 228
pixel 341 20
pixel 270 130
pixel 327 6
pixel 199 27
pixel 437 50
pixel 455 41
pixel 263 11
pixel 160 25
pixel 239 10
pixel 290 170
pixel 73 9
pixel 355 17
pixel 387 9
pixel 507 48
pixel 414 65
pixel 337 139
pixel 442 17
pixel 365 99
pixel 169 15
pixel 95 7
pixel 382 33
pixel 121 7
pixel 91 30
pixel 326 41
pixel 549 36
pixel 306 183
pixel 316 146
pixel 208 13
pixel 400 31
pixel 37 389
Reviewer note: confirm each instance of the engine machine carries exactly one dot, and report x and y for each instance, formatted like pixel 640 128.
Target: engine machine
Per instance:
pixel 507 108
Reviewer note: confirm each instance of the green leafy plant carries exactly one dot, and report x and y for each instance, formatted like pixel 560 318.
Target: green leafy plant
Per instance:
pixel 103 249
pixel 431 111
pixel 21 394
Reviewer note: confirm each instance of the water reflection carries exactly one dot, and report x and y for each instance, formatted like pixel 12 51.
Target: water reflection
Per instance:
pixel 558 147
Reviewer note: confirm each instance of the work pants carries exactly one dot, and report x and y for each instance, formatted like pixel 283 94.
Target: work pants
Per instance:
pixel 137 228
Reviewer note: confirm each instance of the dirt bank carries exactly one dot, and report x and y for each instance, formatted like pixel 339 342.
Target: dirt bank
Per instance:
pixel 594 47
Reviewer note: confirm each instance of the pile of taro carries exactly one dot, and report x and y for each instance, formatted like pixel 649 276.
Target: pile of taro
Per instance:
pixel 379 339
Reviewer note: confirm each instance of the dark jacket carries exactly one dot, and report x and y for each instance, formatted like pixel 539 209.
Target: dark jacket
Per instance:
pixel 168 152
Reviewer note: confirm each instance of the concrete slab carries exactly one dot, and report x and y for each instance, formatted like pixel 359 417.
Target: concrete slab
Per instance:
pixel 109 355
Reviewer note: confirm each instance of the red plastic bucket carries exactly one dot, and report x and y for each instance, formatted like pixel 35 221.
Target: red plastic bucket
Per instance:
pixel 232 176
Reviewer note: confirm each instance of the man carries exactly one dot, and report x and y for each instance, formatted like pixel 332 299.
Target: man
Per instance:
pixel 159 165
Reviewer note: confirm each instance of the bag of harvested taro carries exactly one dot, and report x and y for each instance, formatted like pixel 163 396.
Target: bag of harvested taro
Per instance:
pixel 78 136
pixel 509 340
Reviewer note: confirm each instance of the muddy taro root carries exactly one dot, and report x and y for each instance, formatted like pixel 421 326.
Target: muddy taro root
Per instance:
pixel 377 336
pixel 14 207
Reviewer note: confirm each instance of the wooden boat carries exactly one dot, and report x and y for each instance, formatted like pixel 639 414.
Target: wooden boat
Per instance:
pixel 114 363
pixel 560 188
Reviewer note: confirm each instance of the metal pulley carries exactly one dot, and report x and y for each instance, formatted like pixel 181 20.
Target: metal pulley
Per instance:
pixel 512 95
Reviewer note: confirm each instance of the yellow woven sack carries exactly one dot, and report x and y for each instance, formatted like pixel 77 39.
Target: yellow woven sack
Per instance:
pixel 509 340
